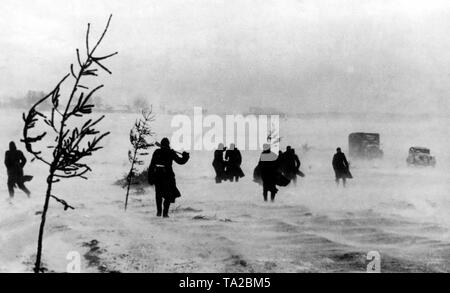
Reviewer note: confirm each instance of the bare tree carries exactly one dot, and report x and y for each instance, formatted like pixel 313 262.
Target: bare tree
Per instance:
pixel 139 145
pixel 273 136
pixel 68 140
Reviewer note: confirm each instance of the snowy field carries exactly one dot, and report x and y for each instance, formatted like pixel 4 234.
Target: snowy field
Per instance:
pixel 403 213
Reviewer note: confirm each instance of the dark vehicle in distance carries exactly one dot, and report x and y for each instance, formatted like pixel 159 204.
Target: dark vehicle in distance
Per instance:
pixel 364 145
pixel 420 156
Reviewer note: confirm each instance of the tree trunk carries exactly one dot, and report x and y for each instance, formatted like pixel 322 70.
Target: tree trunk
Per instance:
pixel 130 175
pixel 37 266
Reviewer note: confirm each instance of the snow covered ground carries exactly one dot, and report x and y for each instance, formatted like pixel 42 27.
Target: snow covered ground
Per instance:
pixel 403 213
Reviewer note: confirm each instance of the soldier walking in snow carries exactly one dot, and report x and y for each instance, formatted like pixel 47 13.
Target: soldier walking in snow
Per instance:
pixel 268 169
pixel 341 167
pixel 291 164
pixel 233 159
pixel 14 162
pixel 218 163
pixel 161 174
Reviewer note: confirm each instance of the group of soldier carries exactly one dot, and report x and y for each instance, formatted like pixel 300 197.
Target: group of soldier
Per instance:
pixel 271 171
pixel 227 163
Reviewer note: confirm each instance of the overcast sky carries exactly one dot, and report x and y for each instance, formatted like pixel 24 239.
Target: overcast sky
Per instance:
pixel 302 56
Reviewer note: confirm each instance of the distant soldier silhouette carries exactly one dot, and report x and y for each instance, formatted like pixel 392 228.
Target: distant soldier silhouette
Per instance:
pixel 341 167
pixel 268 166
pixel 161 174
pixel 219 163
pixel 233 159
pixel 291 164
pixel 14 162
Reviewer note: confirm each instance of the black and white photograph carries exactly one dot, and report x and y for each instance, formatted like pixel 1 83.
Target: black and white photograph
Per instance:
pixel 252 137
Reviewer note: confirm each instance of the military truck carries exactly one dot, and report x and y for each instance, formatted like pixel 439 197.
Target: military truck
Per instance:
pixel 420 156
pixel 364 145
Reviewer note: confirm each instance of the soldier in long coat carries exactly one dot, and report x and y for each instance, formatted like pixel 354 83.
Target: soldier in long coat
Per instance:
pixel 341 167
pixel 14 162
pixel 162 176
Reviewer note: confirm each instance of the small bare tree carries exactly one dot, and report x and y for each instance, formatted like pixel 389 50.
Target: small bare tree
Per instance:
pixel 72 140
pixel 273 136
pixel 139 145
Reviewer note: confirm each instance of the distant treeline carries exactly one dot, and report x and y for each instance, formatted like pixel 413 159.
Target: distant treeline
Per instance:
pixel 31 97
pixel 376 116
